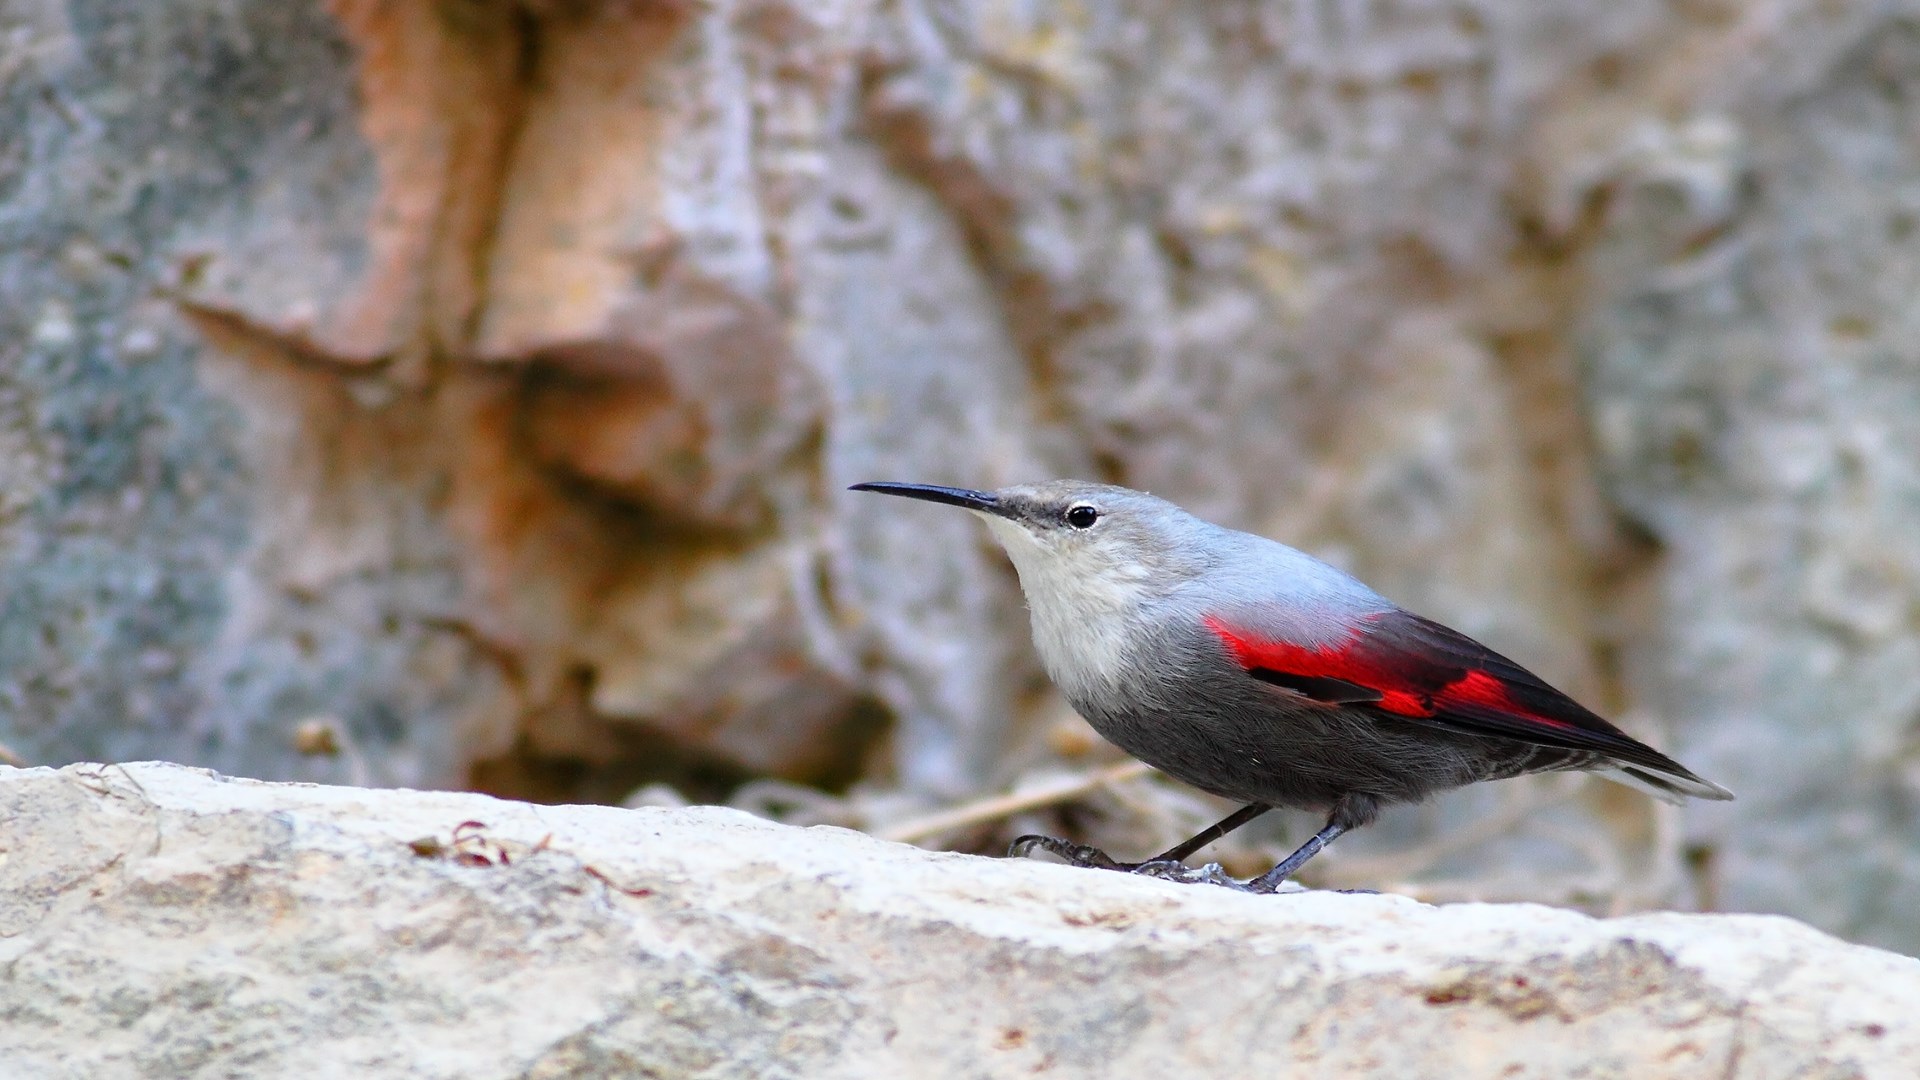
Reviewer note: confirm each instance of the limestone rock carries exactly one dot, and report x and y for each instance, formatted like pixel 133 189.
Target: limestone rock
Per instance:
pixel 479 382
pixel 1749 362
pixel 158 920
pixel 215 524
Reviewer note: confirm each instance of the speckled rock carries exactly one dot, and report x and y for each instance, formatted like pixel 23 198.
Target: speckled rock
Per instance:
pixel 159 920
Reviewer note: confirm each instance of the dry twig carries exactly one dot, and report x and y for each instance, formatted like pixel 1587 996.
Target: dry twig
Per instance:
pixel 996 807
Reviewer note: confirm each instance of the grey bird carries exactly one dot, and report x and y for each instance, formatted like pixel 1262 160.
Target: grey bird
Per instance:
pixel 1262 675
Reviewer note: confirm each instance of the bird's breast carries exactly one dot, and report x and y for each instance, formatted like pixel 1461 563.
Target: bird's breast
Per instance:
pixel 1086 652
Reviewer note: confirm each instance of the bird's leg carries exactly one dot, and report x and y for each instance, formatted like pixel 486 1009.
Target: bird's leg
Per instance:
pixel 1167 864
pixel 1271 880
pixel 1350 811
pixel 1170 864
pixel 1208 835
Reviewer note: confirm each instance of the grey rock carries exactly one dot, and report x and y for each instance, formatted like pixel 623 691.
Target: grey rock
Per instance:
pixel 480 385
pixel 159 920
pixel 1753 396
pixel 178 550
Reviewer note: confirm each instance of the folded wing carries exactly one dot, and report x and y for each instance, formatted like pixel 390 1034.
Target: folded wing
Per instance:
pixel 1407 668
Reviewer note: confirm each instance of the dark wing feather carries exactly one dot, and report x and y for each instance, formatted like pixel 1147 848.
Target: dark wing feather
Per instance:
pixel 1319 687
pixel 1414 669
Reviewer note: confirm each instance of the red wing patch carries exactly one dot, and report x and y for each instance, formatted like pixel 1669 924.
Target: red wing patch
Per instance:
pixel 1406 666
pixel 1344 662
pixel 1479 690
pixel 1404 682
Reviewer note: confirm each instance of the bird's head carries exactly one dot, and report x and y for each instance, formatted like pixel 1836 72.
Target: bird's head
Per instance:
pixel 1078 542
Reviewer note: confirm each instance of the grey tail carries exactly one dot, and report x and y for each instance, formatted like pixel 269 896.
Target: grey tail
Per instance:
pixel 1673 787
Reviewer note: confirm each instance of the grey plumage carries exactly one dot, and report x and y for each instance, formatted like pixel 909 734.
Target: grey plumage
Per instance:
pixel 1259 673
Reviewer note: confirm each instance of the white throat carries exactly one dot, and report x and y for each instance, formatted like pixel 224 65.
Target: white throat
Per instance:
pixel 1081 606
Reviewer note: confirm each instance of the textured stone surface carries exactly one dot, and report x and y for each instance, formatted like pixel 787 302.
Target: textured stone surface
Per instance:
pixel 206 545
pixel 478 382
pixel 1754 384
pixel 157 920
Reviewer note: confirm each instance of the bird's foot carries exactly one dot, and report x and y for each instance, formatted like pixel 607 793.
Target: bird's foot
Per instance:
pixel 1210 874
pixel 1093 858
pixel 1078 854
pixel 1169 867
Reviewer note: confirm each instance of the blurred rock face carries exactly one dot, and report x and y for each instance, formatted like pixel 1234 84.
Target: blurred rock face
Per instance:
pixel 479 381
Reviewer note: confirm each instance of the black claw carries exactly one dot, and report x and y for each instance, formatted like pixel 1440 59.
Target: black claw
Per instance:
pixel 1023 846
pixel 1160 868
pixel 1210 874
pixel 1078 854
pixel 1092 858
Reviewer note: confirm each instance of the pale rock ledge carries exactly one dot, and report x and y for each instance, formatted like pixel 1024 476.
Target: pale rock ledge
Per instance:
pixel 157 920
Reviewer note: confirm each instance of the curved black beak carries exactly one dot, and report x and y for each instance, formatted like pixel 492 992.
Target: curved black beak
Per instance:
pixel 966 498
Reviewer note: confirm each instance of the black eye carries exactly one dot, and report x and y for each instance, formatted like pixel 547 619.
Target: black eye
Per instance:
pixel 1082 516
